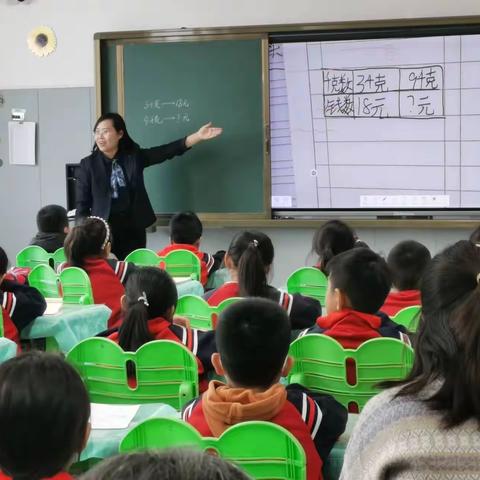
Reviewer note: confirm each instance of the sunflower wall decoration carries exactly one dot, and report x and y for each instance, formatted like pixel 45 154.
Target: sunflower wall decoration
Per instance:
pixel 42 41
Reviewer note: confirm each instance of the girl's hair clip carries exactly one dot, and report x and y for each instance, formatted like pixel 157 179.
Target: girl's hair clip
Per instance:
pixel 143 299
pixel 107 228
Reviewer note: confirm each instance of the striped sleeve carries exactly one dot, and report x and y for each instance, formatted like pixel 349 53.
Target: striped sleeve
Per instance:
pixel 9 302
pixel 209 261
pixel 286 301
pixel 187 410
pixel 121 271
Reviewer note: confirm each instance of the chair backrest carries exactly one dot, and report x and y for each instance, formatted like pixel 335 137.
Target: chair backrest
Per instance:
pixel 200 313
pixel 274 453
pixel 143 257
pixel 160 371
pixel 182 263
pixel 1 321
pixel 45 280
pixel 76 286
pixel 58 257
pixel 32 256
pixel 308 281
pixel 321 364
pixel 409 317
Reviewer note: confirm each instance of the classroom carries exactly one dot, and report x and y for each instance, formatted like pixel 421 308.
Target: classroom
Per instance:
pixel 280 100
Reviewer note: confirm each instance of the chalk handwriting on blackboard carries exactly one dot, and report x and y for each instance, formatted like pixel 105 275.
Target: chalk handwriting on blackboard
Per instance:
pixel 160 111
pixel 384 92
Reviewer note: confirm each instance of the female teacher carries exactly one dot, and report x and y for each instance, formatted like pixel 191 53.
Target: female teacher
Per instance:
pixel 110 180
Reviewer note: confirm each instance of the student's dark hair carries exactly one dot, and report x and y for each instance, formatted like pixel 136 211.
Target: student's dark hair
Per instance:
pixel 175 464
pixel 86 240
pixel 3 261
pixel 363 276
pixel 407 261
pixel 44 413
pixel 185 227
pixel 125 144
pixel 330 239
pixel 475 236
pixel 252 254
pixel 253 337
pixel 147 285
pixel 447 346
pixel 52 219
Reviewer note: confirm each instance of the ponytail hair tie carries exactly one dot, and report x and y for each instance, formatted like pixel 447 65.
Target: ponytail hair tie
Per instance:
pixel 143 299
pixel 478 278
pixel 254 243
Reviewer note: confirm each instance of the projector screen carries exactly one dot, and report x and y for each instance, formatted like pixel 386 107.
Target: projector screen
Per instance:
pixel 390 123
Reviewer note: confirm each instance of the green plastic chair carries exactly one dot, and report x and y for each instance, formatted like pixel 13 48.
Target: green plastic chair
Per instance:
pixel 182 263
pixel 164 372
pixel 320 364
pixel 58 257
pixel 409 317
pixel 200 314
pixel 1 322
pixel 143 257
pixel 308 281
pixel 274 454
pixel 45 280
pixel 32 256
pixel 76 286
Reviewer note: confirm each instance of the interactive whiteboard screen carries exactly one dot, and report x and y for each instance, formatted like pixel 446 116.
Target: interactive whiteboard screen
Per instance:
pixel 376 124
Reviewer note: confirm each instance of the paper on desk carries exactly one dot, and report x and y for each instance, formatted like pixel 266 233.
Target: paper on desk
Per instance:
pixel 54 305
pixel 112 417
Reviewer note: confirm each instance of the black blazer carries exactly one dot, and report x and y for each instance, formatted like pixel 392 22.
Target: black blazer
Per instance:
pixel 93 191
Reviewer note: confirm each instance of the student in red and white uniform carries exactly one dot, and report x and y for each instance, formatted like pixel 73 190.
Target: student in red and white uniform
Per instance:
pixel 149 305
pixel 249 259
pixel 185 234
pixel 88 246
pixel 44 417
pixel 20 304
pixel 358 283
pixel 407 262
pixel 253 337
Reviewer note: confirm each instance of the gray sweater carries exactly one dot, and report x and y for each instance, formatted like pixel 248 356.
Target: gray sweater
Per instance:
pixel 401 438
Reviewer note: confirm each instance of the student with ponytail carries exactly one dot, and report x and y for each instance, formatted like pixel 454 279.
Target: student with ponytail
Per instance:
pixel 330 239
pixel 87 246
pixel 249 259
pixel 149 305
pixel 427 426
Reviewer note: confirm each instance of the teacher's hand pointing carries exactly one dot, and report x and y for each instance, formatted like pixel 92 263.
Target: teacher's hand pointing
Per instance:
pixel 206 132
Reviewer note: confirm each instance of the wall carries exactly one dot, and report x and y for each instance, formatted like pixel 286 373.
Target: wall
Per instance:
pixel 58 93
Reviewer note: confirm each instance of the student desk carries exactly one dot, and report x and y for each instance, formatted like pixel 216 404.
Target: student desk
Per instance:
pixel 189 287
pixel 8 349
pixel 333 465
pixel 105 443
pixel 69 326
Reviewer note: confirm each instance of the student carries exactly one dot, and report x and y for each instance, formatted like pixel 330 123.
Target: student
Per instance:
pixel 253 338
pixel 249 259
pixel 185 233
pixel 44 417
pixel 52 223
pixel 358 283
pixel 149 304
pixel 330 239
pixel 175 464
pixel 20 304
pixel 407 261
pixel 427 425
pixel 87 246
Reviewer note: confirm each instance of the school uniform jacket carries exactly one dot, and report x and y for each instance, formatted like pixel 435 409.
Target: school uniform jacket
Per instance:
pixel 351 328
pixel 303 311
pixel 397 301
pixel 209 263
pixel 21 304
pixel 201 344
pixel 58 476
pixel 93 191
pixel 108 278
pixel 316 420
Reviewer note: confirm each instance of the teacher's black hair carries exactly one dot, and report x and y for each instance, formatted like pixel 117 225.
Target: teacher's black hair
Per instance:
pixel 3 261
pixel 125 144
pixel 44 413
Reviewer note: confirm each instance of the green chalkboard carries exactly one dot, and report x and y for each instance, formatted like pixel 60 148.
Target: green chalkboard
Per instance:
pixel 170 90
